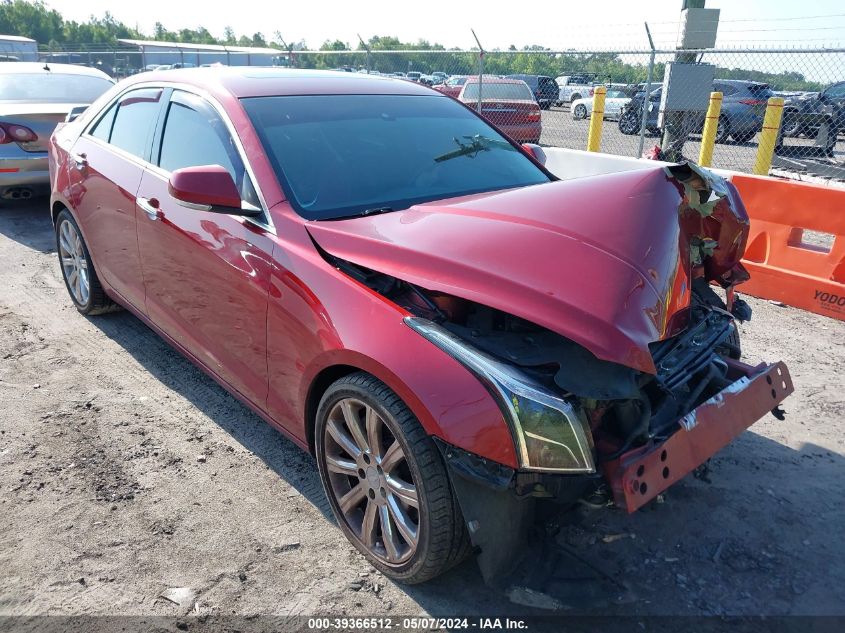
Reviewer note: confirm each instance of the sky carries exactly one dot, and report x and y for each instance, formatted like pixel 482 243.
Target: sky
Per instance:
pixel 556 24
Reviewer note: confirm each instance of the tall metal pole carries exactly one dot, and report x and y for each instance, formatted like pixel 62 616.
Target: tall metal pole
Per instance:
pixel 480 67
pixel 647 95
pixel 366 48
pixel 675 123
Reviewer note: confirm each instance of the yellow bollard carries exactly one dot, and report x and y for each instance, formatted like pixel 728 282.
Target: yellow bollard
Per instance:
pixel 596 119
pixel 768 136
pixel 711 124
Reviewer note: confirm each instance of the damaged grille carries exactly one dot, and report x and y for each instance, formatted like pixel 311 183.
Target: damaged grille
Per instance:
pixel 680 358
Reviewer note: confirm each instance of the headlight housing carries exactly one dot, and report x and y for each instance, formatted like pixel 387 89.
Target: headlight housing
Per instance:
pixel 550 433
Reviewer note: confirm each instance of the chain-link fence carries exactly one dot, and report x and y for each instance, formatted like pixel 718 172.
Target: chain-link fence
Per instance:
pixel 557 105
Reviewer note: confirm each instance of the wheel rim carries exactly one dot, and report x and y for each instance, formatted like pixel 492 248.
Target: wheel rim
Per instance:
pixel 580 112
pixel 74 262
pixel 371 482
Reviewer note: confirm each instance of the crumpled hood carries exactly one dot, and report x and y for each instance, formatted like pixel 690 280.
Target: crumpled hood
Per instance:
pixel 603 261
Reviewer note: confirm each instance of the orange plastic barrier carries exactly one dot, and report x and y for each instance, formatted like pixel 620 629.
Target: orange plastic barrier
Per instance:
pixel 786 263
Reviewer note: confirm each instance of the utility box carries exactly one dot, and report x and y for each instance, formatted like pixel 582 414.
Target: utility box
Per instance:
pixel 698 28
pixel 686 88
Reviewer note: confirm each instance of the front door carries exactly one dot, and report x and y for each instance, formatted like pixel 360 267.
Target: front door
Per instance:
pixel 207 274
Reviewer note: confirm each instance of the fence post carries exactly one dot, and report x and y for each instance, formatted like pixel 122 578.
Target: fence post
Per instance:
pixel 711 125
pixel 480 67
pixel 646 94
pixel 480 77
pixel 596 119
pixel 768 136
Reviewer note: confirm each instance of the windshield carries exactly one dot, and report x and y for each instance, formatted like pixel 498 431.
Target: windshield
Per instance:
pixel 47 87
pixel 509 92
pixel 344 155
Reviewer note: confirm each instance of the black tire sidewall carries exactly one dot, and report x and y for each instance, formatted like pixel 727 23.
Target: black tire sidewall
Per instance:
pixel 65 215
pixel 627 124
pixel 726 130
pixel 333 396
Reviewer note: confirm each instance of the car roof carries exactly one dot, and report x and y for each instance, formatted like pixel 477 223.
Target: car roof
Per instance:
pixel 740 82
pixel 253 81
pixel 50 68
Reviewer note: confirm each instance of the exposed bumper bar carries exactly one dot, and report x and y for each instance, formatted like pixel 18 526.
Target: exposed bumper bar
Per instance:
pixel 640 475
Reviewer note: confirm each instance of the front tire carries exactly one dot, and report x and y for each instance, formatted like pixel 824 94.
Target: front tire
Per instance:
pixel 386 481
pixel 580 112
pixel 78 271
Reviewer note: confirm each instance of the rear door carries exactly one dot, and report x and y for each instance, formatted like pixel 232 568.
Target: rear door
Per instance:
pixel 110 158
pixel 207 274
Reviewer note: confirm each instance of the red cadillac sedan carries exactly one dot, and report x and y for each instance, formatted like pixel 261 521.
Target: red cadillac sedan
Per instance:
pixel 401 290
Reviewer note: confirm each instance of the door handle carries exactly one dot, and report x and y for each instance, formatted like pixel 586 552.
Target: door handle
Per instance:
pixel 150 207
pixel 80 160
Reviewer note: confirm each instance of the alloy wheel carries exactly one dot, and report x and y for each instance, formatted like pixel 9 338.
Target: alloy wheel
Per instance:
pixel 371 481
pixel 74 262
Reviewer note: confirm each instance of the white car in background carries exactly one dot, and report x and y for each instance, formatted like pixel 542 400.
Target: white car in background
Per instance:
pixel 614 102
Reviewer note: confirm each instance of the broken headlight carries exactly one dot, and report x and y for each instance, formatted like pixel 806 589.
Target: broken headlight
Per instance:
pixel 550 433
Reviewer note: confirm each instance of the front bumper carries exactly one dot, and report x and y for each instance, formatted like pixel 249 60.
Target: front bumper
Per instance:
pixel 640 475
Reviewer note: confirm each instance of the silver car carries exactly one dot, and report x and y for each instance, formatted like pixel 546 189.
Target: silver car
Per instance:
pixel 34 97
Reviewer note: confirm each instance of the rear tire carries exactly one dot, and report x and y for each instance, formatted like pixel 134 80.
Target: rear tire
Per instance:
pixel 362 426
pixel 81 280
pixel 629 123
pixel 792 124
pixel 580 112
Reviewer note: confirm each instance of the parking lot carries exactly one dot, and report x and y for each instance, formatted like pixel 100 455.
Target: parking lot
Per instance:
pixel 125 473
pixel 561 130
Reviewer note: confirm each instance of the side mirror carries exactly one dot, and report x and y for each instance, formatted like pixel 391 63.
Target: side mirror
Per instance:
pixel 207 188
pixel 535 151
pixel 75 112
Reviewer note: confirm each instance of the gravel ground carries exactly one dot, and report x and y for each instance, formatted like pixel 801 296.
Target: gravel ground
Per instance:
pixel 125 473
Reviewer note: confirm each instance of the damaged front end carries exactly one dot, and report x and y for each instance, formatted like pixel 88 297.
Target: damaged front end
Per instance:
pixel 582 421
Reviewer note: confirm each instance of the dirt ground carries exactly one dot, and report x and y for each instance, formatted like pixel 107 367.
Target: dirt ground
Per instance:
pixel 125 473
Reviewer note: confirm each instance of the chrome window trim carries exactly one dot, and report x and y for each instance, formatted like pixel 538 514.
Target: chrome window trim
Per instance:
pixel 215 105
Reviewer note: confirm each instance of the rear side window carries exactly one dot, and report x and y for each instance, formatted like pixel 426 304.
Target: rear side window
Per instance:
pixel 133 124
pixel 761 91
pixel 102 129
pixel 725 89
pixel 513 92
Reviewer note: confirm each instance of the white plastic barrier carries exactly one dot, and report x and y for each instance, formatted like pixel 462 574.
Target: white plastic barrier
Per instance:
pixel 568 164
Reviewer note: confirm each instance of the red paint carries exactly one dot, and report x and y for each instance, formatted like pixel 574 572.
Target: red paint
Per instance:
pixel 102 195
pixel 261 310
pixel 517 118
pixel 640 475
pixel 564 255
pixel 206 185
pixel 206 277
